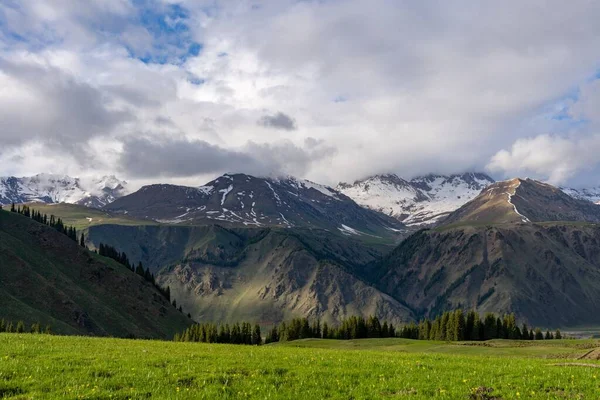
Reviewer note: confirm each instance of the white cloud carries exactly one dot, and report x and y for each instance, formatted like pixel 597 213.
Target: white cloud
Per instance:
pixel 552 158
pixel 572 158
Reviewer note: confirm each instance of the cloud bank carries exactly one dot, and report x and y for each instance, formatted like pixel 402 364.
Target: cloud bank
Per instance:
pixel 329 90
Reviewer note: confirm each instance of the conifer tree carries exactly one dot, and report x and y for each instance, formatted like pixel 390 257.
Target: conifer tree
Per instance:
pixel 256 336
pixel 459 325
pixel 392 330
pixel 20 327
pixel 82 240
pixel 557 335
pixel 443 326
pixel 538 334
pixel 325 330
pixel 490 329
pixel 524 332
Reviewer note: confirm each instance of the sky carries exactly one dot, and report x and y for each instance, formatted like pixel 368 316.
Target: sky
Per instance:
pixel 182 91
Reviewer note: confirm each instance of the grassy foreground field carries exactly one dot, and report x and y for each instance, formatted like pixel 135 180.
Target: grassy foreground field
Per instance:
pixel 53 367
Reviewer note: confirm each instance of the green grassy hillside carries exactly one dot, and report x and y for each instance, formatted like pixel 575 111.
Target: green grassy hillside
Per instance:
pixel 41 366
pixel 46 277
pixel 82 217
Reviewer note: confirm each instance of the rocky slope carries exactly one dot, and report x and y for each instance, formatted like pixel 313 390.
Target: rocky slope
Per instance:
pixel 48 278
pixel 421 201
pixel 48 188
pixel 520 246
pixel 546 274
pixel 258 274
pixel 244 200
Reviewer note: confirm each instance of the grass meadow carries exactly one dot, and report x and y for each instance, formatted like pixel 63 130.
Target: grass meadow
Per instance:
pixel 61 367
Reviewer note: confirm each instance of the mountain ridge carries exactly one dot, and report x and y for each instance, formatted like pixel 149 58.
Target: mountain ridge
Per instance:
pixel 421 201
pixel 47 277
pixel 245 200
pixel 50 188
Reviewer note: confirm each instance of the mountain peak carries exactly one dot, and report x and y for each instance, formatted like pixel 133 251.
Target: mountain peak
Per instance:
pixel 423 200
pixel 52 188
pixel 523 200
pixel 240 199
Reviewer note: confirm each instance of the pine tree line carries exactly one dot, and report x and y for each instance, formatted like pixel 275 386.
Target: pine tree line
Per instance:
pixel 237 333
pixel 19 327
pixel 456 326
pixel 51 221
pixel 450 326
pixel 350 328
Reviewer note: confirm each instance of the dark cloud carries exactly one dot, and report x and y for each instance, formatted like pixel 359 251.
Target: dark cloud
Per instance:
pixel 147 158
pixel 278 121
pixel 52 107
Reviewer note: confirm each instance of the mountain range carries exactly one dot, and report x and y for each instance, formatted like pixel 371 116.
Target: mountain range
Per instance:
pixel 49 188
pixel 420 201
pixel 244 200
pixel 268 249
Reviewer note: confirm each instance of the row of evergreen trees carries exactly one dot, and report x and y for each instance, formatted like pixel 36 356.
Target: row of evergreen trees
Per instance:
pixel 456 326
pixel 237 333
pixel 450 326
pixel 19 327
pixel 350 328
pixel 51 221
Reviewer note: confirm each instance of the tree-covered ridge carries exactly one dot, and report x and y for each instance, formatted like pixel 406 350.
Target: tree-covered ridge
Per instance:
pixel 51 221
pixel 103 250
pixel 120 257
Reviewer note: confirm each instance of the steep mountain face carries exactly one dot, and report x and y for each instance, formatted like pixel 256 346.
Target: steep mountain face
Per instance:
pixel 421 201
pixel 546 274
pixel 523 201
pixel 589 194
pixel 258 274
pixel 520 246
pixel 48 188
pixel 48 278
pixel 243 200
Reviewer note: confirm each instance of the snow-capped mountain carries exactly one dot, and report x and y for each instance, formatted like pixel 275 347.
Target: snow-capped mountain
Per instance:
pixel 589 194
pixel 49 188
pixel 420 201
pixel 244 200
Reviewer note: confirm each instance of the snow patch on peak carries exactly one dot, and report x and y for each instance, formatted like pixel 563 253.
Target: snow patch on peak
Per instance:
pixel 51 188
pixel 590 194
pixel 207 189
pixel 225 193
pixel 510 195
pixel 300 184
pixel 422 200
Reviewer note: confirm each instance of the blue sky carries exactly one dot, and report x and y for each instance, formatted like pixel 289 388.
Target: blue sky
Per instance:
pixel 331 91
